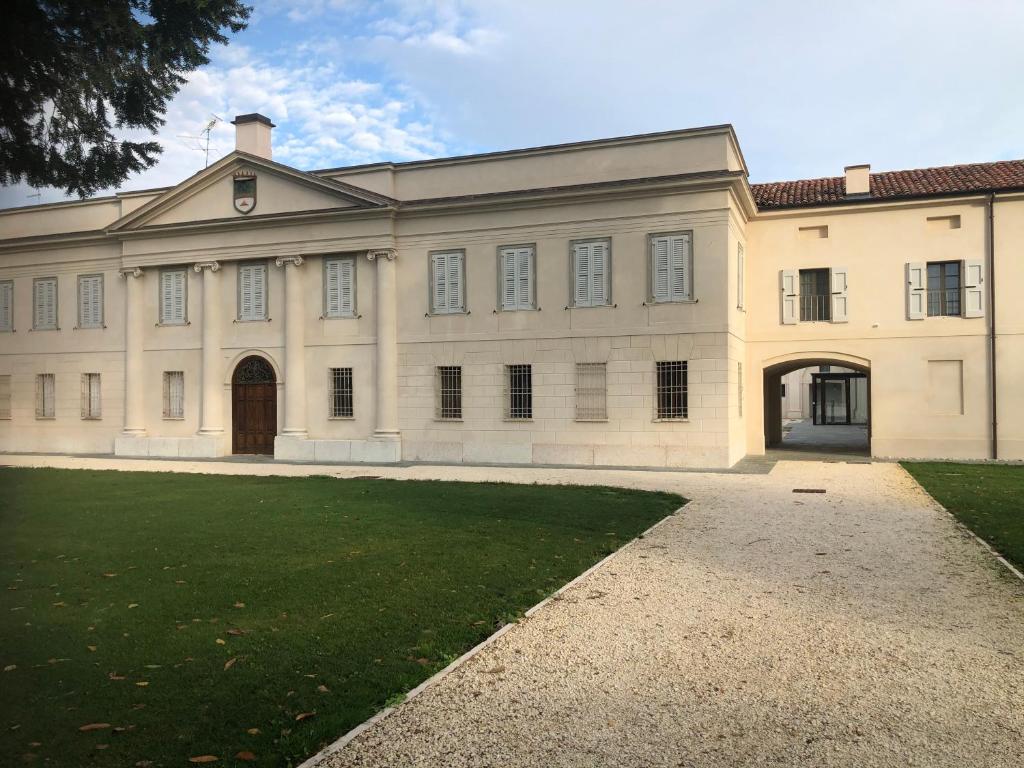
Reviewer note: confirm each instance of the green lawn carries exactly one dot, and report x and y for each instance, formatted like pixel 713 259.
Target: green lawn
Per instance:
pixel 201 615
pixel 987 498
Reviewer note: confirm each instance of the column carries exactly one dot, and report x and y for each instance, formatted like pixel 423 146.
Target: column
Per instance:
pixel 211 421
pixel 294 348
pixel 387 345
pixel 134 368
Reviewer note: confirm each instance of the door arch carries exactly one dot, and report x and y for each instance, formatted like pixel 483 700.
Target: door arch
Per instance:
pixel 253 406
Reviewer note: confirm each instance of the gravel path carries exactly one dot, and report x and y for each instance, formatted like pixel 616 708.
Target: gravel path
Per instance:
pixel 859 627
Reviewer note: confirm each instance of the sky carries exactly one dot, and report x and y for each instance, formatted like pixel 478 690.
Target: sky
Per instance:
pixel 810 87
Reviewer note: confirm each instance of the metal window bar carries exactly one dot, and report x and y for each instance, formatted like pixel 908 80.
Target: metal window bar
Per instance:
pixel 5 397
pixel 174 394
pixel 815 307
pixel 591 392
pixel 91 396
pixel 671 390
pixel 944 303
pixel 448 386
pixel 45 395
pixel 340 394
pixel 519 392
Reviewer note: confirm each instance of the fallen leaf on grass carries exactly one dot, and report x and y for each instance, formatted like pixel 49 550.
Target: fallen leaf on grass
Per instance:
pixel 221 641
pixel 91 647
pixel 203 759
pixel 10 667
pixel 142 683
pixel 115 676
pixel 133 605
pixel 236 632
pixel 247 756
pixel 323 689
pixel 239 605
pixel 102 746
pixel 93 727
pixel 304 716
pixel 110 575
pixel 253 731
pixel 230 663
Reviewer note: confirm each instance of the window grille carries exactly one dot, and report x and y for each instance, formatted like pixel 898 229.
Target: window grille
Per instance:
pixel 815 295
pixel 671 390
pixel 5 397
pixel 44 304
pixel 91 401
pixel 448 386
pixel 591 392
pixel 340 401
pixel 45 395
pixel 173 285
pixel 90 301
pixel 174 394
pixel 518 392
pixel 739 388
pixel 6 305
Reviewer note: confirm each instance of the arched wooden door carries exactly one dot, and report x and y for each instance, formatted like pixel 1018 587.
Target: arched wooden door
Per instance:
pixel 253 407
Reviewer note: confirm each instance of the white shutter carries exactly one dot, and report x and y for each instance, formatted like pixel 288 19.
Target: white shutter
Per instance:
pixel 446 275
pixel 339 287
pixel 679 252
pixel 172 297
pixel 439 280
pixel 509 287
pixel 524 278
pixel 670 267
pixel 245 290
pixel 839 288
pixel 660 268
pixel 252 292
pixel 789 285
pixel 599 274
pixel 7 305
pixel 974 293
pixel 455 293
pixel 90 301
pixel 45 304
pixel 582 274
pixel 917 294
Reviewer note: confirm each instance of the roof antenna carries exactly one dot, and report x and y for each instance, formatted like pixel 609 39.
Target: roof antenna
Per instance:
pixel 202 141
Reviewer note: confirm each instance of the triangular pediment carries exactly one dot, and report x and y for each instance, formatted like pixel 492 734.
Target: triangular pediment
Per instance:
pixel 210 195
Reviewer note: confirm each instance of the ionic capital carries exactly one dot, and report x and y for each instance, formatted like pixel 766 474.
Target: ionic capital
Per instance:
pixel 295 261
pixel 127 272
pixel 382 253
pixel 213 266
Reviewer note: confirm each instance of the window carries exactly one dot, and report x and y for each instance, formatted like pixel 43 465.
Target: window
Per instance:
pixel 782 390
pixel 174 394
pixel 591 392
pixel 741 267
pixel 518 392
pixel 340 287
pixel 739 389
pixel 944 289
pixel 591 273
pixel 814 295
pixel 6 306
pixel 45 395
pixel 447 276
pixel 91 396
pixel 339 393
pixel 815 298
pixel 671 390
pixel 252 292
pixel 448 386
pixel 671 267
pixel 44 304
pixel 173 287
pixel 517 269
pixel 5 397
pixel 90 301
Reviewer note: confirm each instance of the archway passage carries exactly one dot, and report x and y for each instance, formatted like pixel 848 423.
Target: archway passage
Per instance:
pixel 253 406
pixel 818 405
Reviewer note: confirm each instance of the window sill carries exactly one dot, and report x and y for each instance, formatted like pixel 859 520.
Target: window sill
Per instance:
pixel 339 317
pixel 173 325
pixel 592 421
pixel 40 330
pixel 518 309
pixel 254 320
pixel 678 420
pixel 341 418
pixel 173 418
pixel 512 420
pixel 657 302
pixel 449 419
pixel 455 312
pixel 92 418
pixel 46 418
pixel 591 306
pixel 89 328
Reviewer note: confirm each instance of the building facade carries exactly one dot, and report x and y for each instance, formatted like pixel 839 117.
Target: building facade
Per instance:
pixel 630 301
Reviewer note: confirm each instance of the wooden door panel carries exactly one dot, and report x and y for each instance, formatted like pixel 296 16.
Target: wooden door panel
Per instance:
pixel 254 411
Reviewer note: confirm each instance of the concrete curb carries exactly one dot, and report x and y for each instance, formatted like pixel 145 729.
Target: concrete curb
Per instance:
pixel 964 529
pixel 340 744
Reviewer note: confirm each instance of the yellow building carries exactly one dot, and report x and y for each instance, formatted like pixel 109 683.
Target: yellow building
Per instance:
pixel 629 301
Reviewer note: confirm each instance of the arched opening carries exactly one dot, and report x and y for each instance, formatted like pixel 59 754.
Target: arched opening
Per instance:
pixel 819 405
pixel 253 406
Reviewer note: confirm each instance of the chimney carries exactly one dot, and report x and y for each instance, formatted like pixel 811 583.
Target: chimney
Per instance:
pixel 252 134
pixel 858 180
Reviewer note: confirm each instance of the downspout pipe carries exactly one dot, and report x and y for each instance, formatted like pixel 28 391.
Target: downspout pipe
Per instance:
pixel 991 257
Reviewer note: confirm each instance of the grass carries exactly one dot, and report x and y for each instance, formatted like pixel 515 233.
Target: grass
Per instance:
pixel 987 498
pixel 201 615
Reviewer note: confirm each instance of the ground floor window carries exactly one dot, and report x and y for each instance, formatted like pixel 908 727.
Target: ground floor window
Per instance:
pixel 45 395
pixel 174 394
pixel 5 397
pixel 591 392
pixel 670 395
pixel 91 402
pixel 518 392
pixel 448 388
pixel 340 394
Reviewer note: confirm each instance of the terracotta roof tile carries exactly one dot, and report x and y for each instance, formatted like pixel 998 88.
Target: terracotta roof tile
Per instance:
pixel 920 182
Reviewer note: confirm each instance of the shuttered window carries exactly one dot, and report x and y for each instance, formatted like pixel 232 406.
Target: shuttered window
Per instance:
pixel 91 401
pixel 174 394
pixel 448 389
pixel 591 392
pixel 671 267
pixel 252 292
pixel 340 287
pixel 5 397
pixel 516 264
pixel 173 297
pixel 44 304
pixel 90 301
pixel 46 395
pixel 339 393
pixel 6 305
pixel 741 276
pixel 447 279
pixel 591 273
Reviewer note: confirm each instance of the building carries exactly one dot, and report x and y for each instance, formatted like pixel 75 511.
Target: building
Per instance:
pixel 629 301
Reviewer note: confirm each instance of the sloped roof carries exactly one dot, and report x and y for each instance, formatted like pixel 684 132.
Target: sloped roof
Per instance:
pixel 891 185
